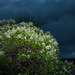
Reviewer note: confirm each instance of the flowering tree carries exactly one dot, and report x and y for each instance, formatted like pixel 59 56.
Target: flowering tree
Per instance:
pixel 27 50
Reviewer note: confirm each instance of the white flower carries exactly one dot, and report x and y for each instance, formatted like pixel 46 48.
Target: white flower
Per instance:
pixel 41 37
pixel 25 37
pixel 36 36
pixel 64 68
pixel 56 58
pixel 24 26
pixel 20 35
pixel 41 31
pixel 13 29
pixel 57 61
pixel 43 44
pixel 18 27
pixel 48 35
pixel 33 31
pixel 8 36
pixel 8 30
pixel 28 56
pixel 39 34
pixel 14 43
pixel 52 39
pixel 23 54
pixel 8 24
pixel 28 50
pixel 0 37
pixel 31 37
pixel 61 72
pixel 15 25
pixel 66 61
pixel 0 42
pixel 55 50
pixel 5 33
pixel 42 51
pixel 1 52
pixel 48 47
pixel 28 29
pixel 55 42
pixel 44 36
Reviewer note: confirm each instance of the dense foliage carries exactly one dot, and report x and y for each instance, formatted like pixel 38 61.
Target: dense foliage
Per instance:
pixel 27 50
pixel 25 17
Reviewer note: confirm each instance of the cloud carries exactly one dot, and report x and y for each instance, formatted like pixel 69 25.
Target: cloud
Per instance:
pixel 67 51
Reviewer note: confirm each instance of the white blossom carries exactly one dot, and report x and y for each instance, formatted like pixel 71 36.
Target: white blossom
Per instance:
pixel 15 25
pixel 44 36
pixel 55 42
pixel 8 30
pixel 66 61
pixel 8 36
pixel 57 61
pixel 25 37
pixel 55 50
pixel 41 31
pixel 1 52
pixel 0 42
pixel 61 72
pixel 0 36
pixel 24 26
pixel 48 47
pixel 23 54
pixel 13 29
pixel 39 34
pixel 18 27
pixel 52 39
pixel 28 29
pixel 42 51
pixel 31 37
pixel 28 50
pixel 64 68
pixel 5 33
pixel 48 35
pixel 41 37
pixel 28 56
pixel 8 24
pixel 43 44
pixel 20 35
pixel 32 34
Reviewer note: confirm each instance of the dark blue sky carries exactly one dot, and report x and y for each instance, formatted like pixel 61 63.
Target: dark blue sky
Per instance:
pixel 59 14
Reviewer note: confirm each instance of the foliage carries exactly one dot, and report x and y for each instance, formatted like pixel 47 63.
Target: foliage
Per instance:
pixel 25 17
pixel 27 50
pixel 7 22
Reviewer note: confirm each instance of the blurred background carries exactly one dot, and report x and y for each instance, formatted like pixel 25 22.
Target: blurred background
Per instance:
pixel 59 16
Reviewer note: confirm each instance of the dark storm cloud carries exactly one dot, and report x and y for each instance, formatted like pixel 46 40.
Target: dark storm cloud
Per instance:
pixel 49 9
pixel 59 14
pixel 67 51
pixel 56 10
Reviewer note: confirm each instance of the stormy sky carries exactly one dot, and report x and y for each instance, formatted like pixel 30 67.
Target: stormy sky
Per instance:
pixel 59 15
